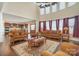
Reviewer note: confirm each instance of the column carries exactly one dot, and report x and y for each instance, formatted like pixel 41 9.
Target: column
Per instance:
pixel 1 28
pixel 29 37
pixel 37 25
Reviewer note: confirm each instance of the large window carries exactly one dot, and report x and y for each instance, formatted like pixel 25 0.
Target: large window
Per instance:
pixel 71 4
pixel 54 8
pixel 62 5
pixel 32 27
pixel 47 25
pixel 71 25
pixel 61 25
pixel 42 12
pixel 47 9
pixel 41 26
pixel 53 25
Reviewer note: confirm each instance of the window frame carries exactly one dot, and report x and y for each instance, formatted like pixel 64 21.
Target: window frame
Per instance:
pixel 34 27
pixel 61 25
pixel 62 5
pixel 54 8
pixel 42 26
pixel 47 25
pixel 47 9
pixel 42 11
pixel 71 30
pixel 73 3
pixel 54 27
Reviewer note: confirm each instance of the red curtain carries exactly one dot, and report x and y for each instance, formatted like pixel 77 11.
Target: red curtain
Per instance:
pixel 44 25
pixel 39 26
pixel 50 24
pixel 76 27
pixel 65 24
pixel 57 24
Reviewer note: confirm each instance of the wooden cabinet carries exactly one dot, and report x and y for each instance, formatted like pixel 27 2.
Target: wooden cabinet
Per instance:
pixel 7 27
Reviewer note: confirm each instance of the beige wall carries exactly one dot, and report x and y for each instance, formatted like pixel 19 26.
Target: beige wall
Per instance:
pixel 1 5
pixel 15 19
pixel 67 12
pixel 23 9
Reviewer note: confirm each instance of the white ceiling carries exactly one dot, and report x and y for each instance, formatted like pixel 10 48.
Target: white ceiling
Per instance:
pixel 19 11
pixel 22 9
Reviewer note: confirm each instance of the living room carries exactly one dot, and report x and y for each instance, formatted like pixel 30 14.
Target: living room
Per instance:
pixel 39 28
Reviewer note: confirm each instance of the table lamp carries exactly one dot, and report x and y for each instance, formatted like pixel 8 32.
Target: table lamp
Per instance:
pixel 65 30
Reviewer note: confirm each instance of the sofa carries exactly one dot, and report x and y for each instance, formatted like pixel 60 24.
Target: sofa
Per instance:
pixel 46 53
pixel 69 48
pixel 58 53
pixel 66 49
pixel 17 35
pixel 51 34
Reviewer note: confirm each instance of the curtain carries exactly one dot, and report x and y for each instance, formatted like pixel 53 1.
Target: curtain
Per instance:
pixel 39 26
pixel 50 24
pixel 65 24
pixel 57 24
pixel 76 27
pixel 44 25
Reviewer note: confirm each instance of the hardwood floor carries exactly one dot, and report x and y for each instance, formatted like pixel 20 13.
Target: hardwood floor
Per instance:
pixel 0 47
pixel 5 49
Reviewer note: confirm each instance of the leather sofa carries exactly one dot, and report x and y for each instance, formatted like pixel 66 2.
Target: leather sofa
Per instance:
pixel 69 48
pixel 66 49
pixel 17 35
pixel 51 34
pixel 46 53
pixel 58 53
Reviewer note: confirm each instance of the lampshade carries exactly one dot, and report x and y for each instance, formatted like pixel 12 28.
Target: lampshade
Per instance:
pixel 65 28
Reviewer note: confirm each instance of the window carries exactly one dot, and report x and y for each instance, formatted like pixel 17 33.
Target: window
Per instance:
pixel 61 25
pixel 47 9
pixel 42 11
pixel 32 27
pixel 54 8
pixel 71 25
pixel 61 5
pixel 47 25
pixel 41 26
pixel 71 4
pixel 53 25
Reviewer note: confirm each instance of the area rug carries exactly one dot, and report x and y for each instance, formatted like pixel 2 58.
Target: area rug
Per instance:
pixel 22 49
